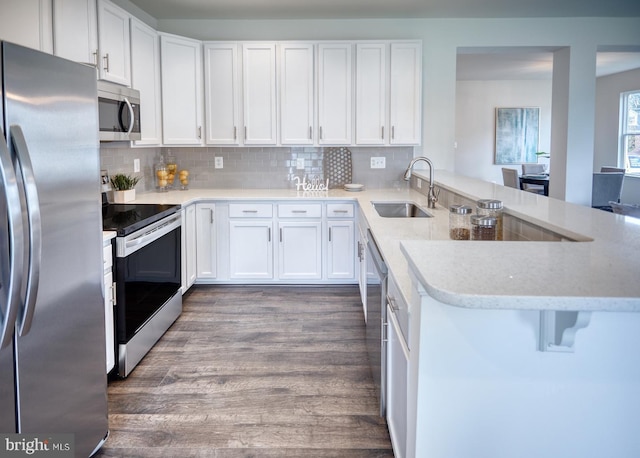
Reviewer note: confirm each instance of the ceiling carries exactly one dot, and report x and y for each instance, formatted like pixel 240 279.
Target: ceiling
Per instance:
pixel 530 64
pixel 351 9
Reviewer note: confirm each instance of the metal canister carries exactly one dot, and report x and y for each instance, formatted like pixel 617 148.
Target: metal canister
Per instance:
pixel 460 222
pixel 492 207
pixel 483 227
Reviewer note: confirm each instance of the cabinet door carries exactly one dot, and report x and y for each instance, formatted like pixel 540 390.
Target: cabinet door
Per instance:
pixel 114 44
pixel 397 367
pixel 221 91
pixel 181 64
pixel 27 23
pixel 335 83
pixel 205 241
pixel 405 93
pixel 75 30
pixel 296 94
pixel 259 93
pixel 341 250
pixel 300 250
pixel 145 77
pixel 362 266
pixel 109 303
pixel 250 249
pixel 371 94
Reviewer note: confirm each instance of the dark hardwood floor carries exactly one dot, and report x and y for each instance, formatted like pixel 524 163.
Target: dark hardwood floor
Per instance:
pixel 253 371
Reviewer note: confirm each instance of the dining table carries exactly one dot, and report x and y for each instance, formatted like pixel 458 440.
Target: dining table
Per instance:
pixel 539 179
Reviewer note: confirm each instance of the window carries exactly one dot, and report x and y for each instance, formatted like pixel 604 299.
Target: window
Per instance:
pixel 630 131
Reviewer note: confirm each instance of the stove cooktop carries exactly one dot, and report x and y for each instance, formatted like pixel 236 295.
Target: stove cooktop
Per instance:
pixel 128 218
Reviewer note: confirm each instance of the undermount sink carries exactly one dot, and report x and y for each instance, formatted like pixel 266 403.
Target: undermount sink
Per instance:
pixel 400 210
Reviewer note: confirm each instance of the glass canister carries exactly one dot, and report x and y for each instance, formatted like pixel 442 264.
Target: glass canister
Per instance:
pixel 491 207
pixel 460 222
pixel 162 183
pixel 483 227
pixel 172 169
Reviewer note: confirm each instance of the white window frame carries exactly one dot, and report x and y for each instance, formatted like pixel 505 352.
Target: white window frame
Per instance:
pixel 625 132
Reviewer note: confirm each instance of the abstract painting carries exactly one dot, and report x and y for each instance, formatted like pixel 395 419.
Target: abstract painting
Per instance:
pixel 517 131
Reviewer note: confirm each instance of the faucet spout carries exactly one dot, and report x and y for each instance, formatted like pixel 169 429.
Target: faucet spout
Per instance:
pixel 433 198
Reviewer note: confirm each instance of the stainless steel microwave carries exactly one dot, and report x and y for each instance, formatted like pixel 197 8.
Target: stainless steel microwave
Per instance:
pixel 118 112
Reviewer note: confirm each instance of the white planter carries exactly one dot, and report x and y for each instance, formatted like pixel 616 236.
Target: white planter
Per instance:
pixel 121 197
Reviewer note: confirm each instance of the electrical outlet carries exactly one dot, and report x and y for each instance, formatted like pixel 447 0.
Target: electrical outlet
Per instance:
pixel 219 162
pixel 136 166
pixel 378 163
pixel 300 163
pixel 419 183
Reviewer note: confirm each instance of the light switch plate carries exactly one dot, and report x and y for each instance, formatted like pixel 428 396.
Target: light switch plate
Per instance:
pixel 378 163
pixel 300 163
pixel 136 166
pixel 219 162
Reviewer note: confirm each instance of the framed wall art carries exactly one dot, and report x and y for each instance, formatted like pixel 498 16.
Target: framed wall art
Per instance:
pixel 517 132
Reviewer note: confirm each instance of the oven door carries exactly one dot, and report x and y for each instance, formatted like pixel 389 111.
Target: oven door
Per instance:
pixel 147 274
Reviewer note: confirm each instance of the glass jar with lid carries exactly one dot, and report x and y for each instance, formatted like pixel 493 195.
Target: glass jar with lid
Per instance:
pixel 460 222
pixel 483 227
pixel 492 207
pixel 162 175
pixel 172 169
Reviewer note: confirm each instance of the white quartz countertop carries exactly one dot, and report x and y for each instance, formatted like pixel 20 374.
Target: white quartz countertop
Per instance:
pixel 600 273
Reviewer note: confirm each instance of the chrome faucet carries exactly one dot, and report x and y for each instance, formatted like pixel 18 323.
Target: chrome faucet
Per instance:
pixel 433 196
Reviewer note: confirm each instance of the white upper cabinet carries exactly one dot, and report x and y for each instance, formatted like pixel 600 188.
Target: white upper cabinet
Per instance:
pixel 27 23
pixel 75 30
pixel 405 93
pixel 335 85
pixel 371 94
pixel 296 93
pixel 181 69
pixel 145 77
pixel 222 94
pixel 259 93
pixel 114 63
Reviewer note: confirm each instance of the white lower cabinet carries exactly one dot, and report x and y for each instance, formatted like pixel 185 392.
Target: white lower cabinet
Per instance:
pixel 251 241
pixel 109 304
pixel 341 251
pixel 250 249
pixel 188 247
pixel 300 241
pixel 397 370
pixel 206 256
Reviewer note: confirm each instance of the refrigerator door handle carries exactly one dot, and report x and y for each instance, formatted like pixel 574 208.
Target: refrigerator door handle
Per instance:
pixel 35 229
pixel 11 286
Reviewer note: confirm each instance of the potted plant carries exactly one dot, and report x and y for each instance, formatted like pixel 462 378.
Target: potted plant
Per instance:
pixel 124 187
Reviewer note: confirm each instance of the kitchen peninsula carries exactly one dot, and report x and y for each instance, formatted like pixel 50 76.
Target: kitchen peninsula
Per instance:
pixel 515 348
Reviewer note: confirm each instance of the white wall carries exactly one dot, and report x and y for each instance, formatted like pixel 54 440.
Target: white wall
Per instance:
pixel 476 102
pixel 608 91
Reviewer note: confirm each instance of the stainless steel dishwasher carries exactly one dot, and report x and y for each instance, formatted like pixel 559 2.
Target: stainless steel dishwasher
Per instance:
pixel 376 317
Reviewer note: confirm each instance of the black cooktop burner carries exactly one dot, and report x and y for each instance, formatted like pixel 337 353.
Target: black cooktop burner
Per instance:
pixel 128 218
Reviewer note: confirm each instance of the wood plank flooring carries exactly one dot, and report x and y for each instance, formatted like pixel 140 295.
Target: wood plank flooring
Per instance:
pixel 253 371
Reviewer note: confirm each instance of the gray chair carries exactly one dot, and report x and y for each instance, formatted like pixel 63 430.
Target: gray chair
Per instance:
pixel 533 169
pixel 606 187
pixel 609 169
pixel 510 178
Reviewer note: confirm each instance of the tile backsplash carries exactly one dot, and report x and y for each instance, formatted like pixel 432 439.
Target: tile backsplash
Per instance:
pixel 254 168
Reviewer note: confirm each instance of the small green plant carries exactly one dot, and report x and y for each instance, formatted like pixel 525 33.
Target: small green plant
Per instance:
pixel 122 182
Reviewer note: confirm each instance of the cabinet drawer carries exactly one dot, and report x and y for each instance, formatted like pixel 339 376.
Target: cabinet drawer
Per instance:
pixel 340 210
pixel 250 210
pixel 300 210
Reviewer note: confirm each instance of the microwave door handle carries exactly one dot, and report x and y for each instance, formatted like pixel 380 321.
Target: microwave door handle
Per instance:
pixel 131 121
pixel 12 247
pixel 34 229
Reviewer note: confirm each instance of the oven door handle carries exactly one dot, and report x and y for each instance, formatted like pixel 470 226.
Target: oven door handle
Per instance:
pixel 151 234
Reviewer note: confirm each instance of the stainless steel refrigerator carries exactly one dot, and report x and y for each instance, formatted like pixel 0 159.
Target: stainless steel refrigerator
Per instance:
pixel 52 355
